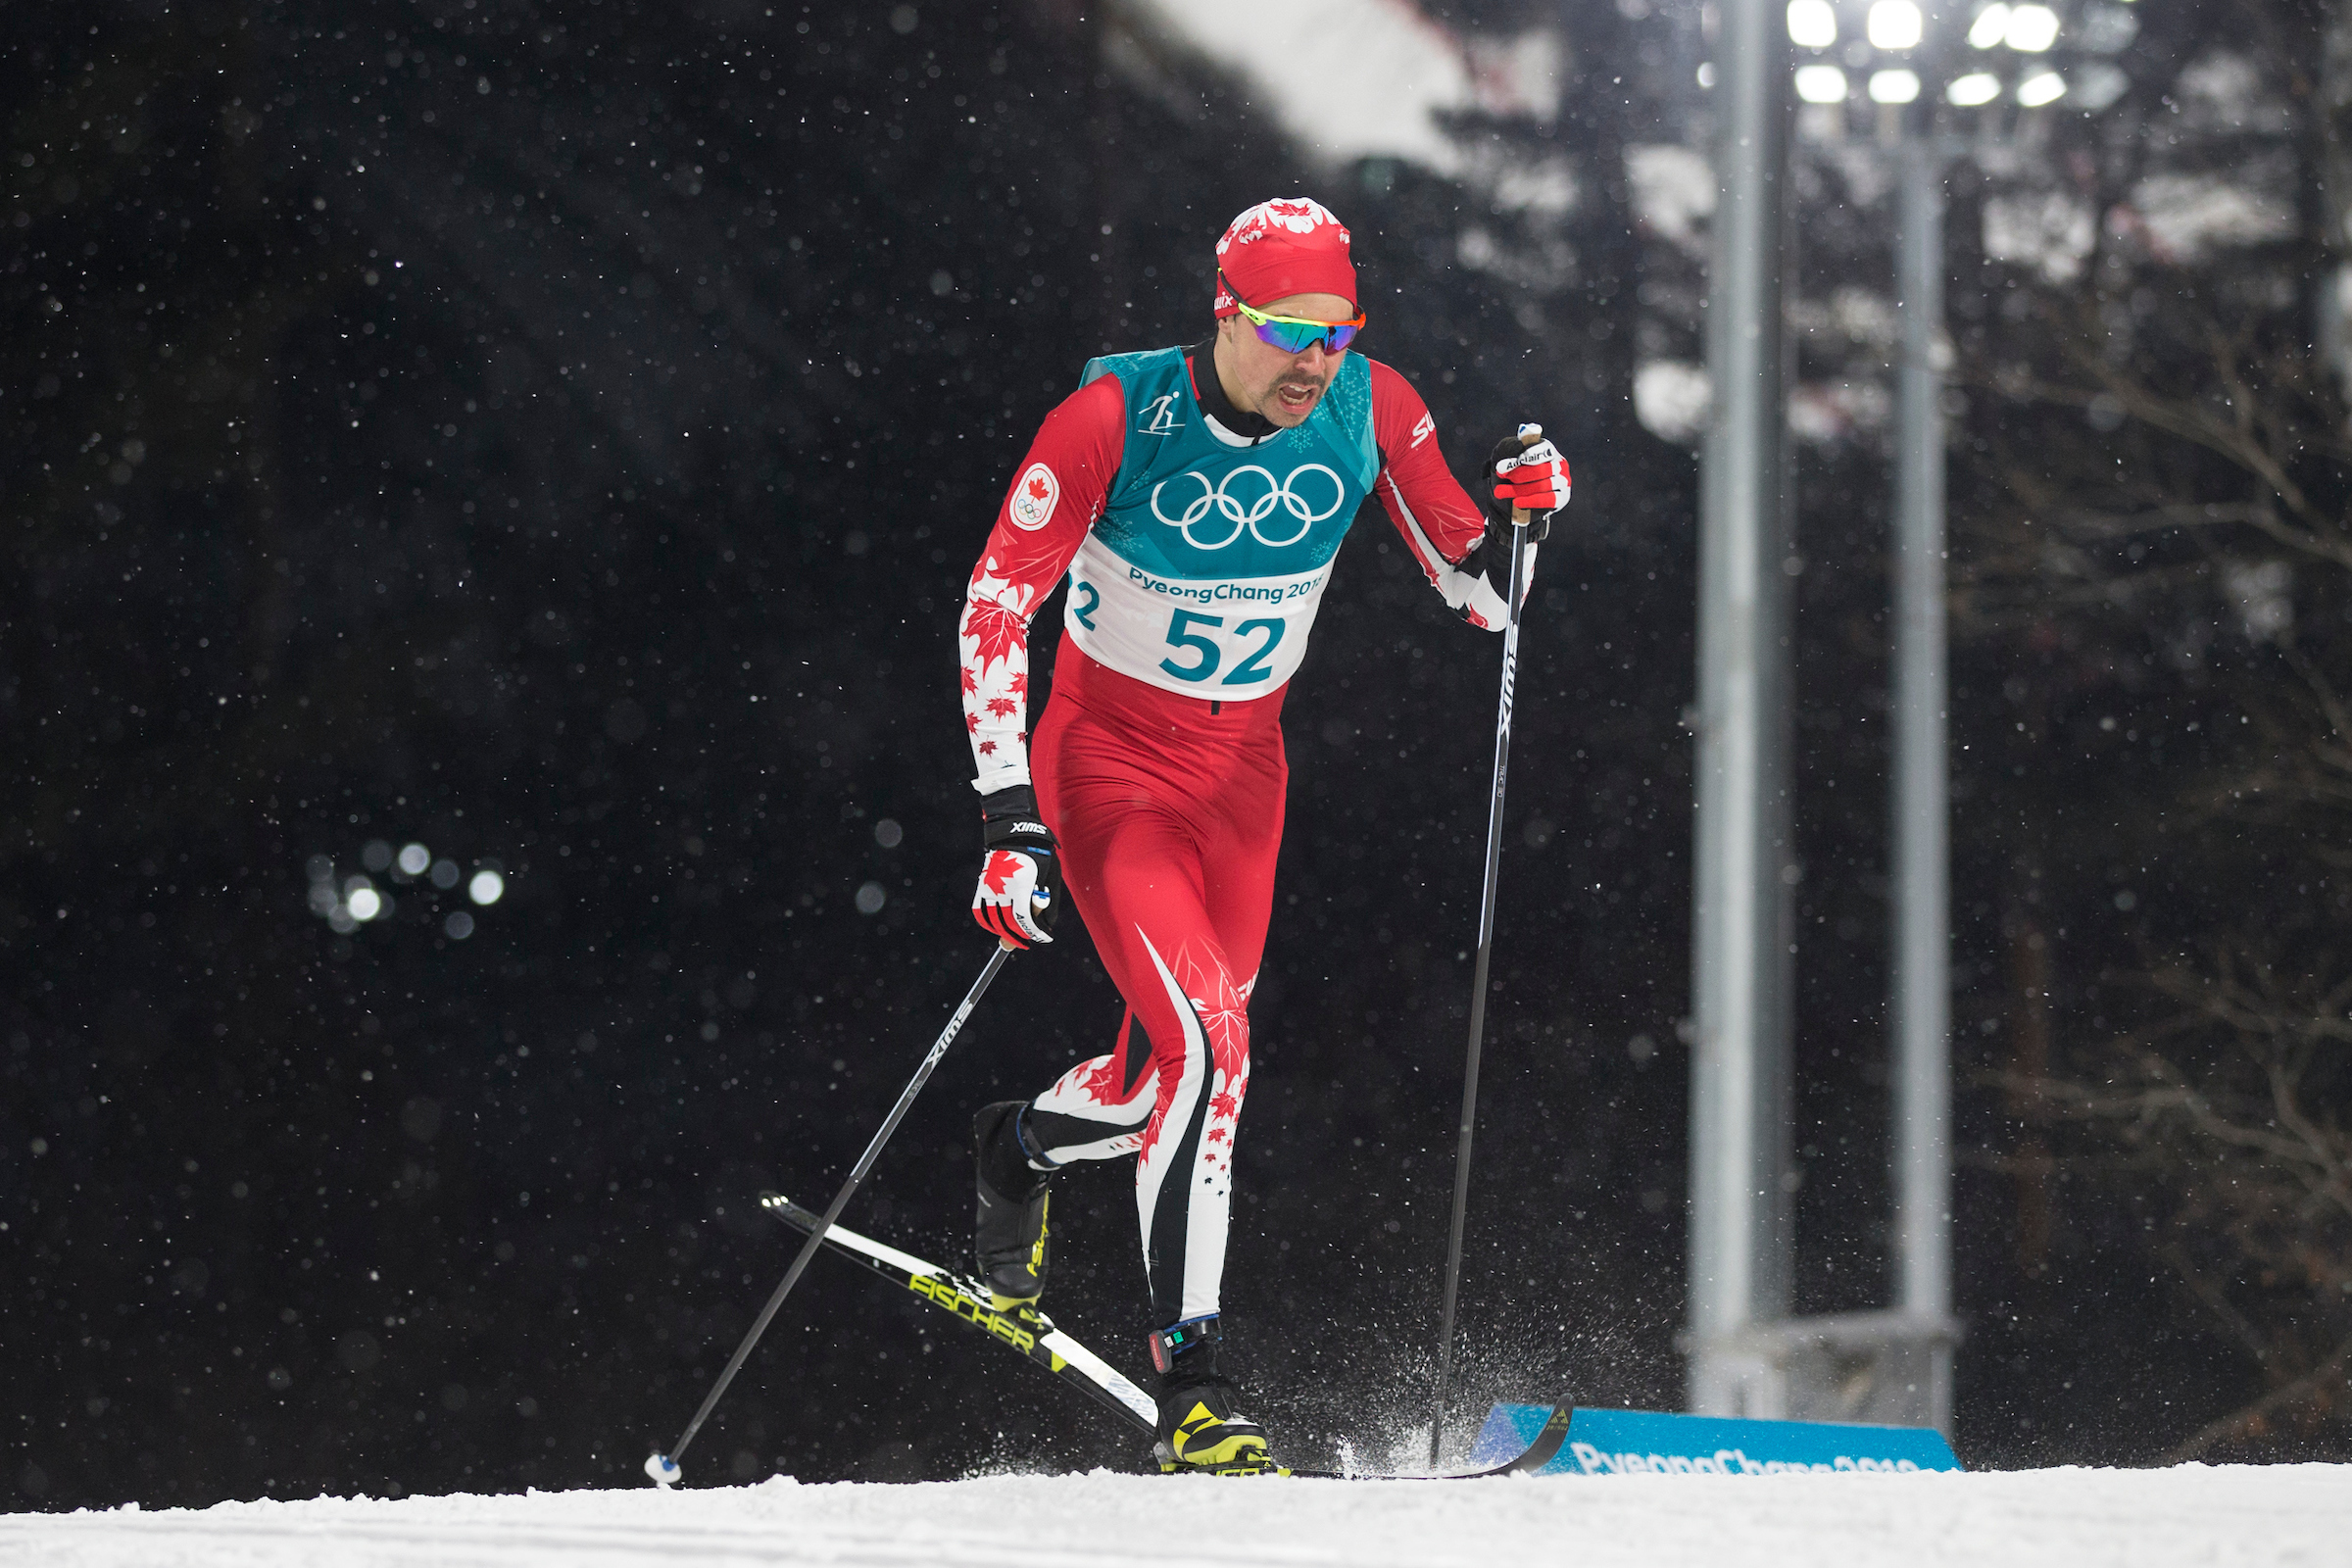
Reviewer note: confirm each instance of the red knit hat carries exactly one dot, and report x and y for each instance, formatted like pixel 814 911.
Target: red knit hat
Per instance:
pixel 1280 248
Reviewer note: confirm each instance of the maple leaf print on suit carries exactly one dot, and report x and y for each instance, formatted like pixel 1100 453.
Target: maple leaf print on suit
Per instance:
pixel 995 645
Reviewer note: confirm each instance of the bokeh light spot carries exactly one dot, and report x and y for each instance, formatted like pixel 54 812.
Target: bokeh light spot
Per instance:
pixel 1812 23
pixel 1893 86
pixel 1975 88
pixel 2032 28
pixel 1895 24
pixel 1821 85
pixel 2046 88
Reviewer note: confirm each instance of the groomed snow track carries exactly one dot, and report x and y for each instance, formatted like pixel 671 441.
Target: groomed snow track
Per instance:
pixel 2213 1517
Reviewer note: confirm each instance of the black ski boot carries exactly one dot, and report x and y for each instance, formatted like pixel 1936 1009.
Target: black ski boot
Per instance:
pixel 1010 1236
pixel 1201 1429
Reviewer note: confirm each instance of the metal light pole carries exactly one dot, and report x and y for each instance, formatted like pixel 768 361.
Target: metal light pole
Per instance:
pixel 1922 978
pixel 1739 1113
pixel 1896 1366
pixel 1748 1356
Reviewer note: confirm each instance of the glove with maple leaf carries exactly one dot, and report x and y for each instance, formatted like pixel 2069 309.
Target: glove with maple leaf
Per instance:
pixel 1020 880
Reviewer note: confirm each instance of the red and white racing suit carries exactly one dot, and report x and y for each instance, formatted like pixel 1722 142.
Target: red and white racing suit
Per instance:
pixel 1168 809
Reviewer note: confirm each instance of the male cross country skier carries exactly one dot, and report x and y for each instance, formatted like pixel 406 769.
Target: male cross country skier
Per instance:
pixel 1196 497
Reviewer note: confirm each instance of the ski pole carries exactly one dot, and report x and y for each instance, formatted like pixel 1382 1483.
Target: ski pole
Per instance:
pixel 1522 560
pixel 664 1467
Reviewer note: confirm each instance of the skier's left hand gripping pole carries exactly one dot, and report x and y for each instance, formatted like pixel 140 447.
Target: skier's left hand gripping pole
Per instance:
pixel 1528 527
pixel 664 1467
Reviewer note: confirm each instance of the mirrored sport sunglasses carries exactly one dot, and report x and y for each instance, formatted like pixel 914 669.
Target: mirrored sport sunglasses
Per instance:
pixel 1295 335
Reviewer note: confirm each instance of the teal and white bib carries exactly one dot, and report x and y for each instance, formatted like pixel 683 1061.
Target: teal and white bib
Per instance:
pixel 1205 571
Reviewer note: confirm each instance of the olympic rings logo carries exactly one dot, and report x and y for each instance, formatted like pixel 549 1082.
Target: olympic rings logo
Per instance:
pixel 1221 498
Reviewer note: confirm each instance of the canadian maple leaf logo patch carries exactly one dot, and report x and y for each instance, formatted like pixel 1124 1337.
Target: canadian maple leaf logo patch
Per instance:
pixel 1031 505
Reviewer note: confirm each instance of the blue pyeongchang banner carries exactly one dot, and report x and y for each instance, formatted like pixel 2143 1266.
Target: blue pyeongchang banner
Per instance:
pixel 1618 1442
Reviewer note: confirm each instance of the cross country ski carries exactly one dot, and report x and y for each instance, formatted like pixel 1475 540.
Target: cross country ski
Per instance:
pixel 1031 1335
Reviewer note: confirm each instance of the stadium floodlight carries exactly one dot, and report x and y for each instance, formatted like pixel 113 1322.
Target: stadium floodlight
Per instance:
pixel 1895 24
pixel 1812 23
pixel 1976 88
pixel 1893 86
pixel 2045 88
pixel 1821 85
pixel 2032 28
pixel 1991 26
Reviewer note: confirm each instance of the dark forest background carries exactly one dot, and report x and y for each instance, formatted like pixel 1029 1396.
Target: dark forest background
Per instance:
pixel 559 437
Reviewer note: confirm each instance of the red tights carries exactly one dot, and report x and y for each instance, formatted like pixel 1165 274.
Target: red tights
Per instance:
pixel 1168 810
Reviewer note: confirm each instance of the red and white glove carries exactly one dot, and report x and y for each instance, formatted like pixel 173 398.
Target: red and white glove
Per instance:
pixel 1526 473
pixel 1537 479
pixel 1020 878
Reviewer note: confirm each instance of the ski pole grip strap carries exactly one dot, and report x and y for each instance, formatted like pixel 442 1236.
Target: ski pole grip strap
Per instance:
pixel 1181 1339
pixel 1010 820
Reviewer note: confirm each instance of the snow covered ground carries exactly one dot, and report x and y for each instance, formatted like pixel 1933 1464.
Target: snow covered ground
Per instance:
pixel 2219 1517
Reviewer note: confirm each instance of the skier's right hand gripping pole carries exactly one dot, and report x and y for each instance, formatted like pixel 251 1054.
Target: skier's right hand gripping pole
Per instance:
pixel 1020 874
